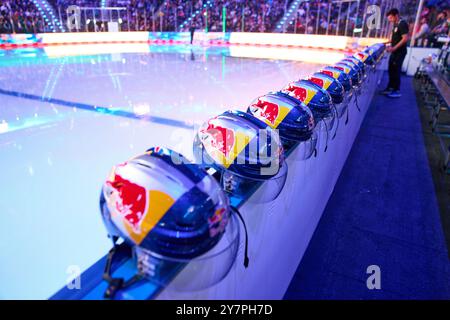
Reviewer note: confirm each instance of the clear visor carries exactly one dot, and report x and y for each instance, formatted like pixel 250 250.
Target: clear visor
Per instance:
pixel 326 130
pixel 329 123
pixel 181 275
pixel 256 190
pixel 305 149
pixel 342 107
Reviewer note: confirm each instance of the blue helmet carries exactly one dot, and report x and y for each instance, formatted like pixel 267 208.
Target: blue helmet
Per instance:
pixel 352 72
pixel 339 75
pixel 333 87
pixel 358 62
pixel 355 66
pixel 373 53
pixel 291 117
pixel 365 57
pixel 376 51
pixel 161 203
pixel 313 96
pixel 239 143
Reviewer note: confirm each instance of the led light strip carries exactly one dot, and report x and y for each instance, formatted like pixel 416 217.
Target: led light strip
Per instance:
pixel 196 13
pixel 294 6
pixel 46 9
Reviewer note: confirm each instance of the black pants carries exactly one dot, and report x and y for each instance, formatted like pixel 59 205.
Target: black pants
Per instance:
pixel 192 36
pixel 395 69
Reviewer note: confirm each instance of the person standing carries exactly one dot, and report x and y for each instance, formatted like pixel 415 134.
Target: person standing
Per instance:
pixel 422 32
pixel 192 30
pixel 399 39
pixel 440 29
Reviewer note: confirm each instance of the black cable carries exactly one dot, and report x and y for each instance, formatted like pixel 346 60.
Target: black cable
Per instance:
pixel 246 259
pixel 337 119
pixel 356 102
pixel 326 129
pixel 346 120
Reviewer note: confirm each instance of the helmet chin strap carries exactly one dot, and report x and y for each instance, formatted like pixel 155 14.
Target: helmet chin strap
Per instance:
pixel 115 284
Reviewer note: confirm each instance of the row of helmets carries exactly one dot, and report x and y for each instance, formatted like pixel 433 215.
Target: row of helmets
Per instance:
pixel 171 211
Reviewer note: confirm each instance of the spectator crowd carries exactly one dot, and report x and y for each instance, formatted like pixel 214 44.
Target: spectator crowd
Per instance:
pixel 150 15
pixel 311 17
pixel 434 23
pixel 20 17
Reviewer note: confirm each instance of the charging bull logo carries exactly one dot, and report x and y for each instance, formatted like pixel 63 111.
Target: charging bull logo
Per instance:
pixel 272 113
pixel 311 123
pixel 222 143
pixel 217 222
pixel 317 81
pixel 130 200
pixel 220 138
pixel 343 68
pixel 134 209
pixel 267 110
pixel 321 82
pixel 304 94
pixel 331 73
pixel 361 56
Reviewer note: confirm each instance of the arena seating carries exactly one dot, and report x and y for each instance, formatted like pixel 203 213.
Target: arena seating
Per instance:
pixel 310 17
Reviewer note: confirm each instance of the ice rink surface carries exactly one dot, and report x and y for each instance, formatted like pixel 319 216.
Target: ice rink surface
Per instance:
pixel 66 119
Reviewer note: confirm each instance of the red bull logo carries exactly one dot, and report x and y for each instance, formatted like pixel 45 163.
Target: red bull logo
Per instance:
pixel 302 93
pixel 130 200
pixel 266 110
pixel 134 208
pixel 221 138
pixel 321 81
pixel 157 150
pixel 331 73
pixel 311 123
pixel 317 81
pixel 342 68
pixel 362 56
pixel 217 222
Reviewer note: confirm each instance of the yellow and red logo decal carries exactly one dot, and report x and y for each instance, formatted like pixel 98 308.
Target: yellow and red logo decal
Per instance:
pixel 321 82
pixel 303 94
pixel 362 56
pixel 334 74
pixel 217 222
pixel 224 144
pixel 271 113
pixel 344 68
pixel 135 209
